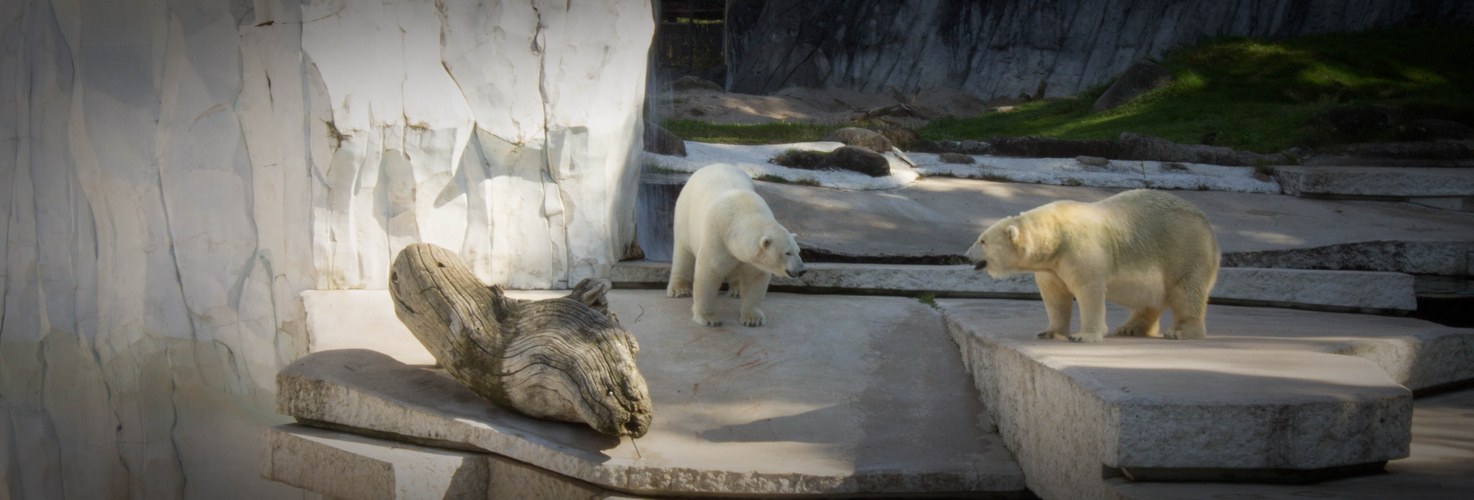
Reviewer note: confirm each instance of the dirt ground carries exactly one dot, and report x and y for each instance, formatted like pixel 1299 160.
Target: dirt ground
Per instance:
pixel 706 102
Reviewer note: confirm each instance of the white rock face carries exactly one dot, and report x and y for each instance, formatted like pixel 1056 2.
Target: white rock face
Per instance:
pixel 174 174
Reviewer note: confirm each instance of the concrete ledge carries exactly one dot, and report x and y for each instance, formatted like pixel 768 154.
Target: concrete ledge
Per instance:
pixel 1270 393
pixel 343 465
pixel 1327 290
pixel 1376 181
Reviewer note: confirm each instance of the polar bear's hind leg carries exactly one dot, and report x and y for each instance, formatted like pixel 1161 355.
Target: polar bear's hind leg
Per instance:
pixel 1142 323
pixel 1189 308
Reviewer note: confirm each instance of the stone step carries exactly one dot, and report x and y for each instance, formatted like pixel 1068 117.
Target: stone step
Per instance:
pixel 339 464
pixel 835 396
pixel 1446 188
pixel 1363 291
pixel 1271 395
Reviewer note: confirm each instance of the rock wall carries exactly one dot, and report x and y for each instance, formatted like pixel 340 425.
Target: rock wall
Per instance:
pixel 173 173
pixel 1006 47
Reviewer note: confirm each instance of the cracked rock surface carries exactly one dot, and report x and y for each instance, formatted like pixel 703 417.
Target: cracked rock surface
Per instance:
pixel 176 173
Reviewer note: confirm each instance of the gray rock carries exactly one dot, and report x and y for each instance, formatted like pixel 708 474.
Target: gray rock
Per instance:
pixel 1052 147
pixel 1376 181
pixel 956 158
pixel 902 138
pixel 1140 78
pixel 1006 48
pixel 860 137
pixel 1431 130
pixel 1094 161
pixel 972 147
pixel 857 159
pixel 1144 147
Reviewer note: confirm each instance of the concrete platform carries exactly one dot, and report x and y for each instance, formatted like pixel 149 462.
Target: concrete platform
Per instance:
pixel 345 465
pixel 1391 182
pixel 1270 394
pixel 1363 291
pixel 942 217
pixel 1440 467
pixel 836 396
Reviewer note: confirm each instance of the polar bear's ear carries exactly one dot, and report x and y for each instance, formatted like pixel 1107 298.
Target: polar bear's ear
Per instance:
pixel 1013 233
pixel 765 243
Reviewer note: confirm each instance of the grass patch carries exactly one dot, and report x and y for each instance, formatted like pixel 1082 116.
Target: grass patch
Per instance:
pixel 1257 94
pixel 928 299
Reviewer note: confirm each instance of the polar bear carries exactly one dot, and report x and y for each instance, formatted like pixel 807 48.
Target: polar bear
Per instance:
pixel 1143 249
pixel 724 230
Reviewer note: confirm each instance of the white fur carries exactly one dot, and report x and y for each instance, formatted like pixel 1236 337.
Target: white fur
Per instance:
pixel 725 231
pixel 1145 250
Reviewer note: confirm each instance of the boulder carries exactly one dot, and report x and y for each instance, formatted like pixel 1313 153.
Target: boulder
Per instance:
pixel 902 138
pixel 1133 146
pixel 857 159
pixel 799 158
pixel 956 158
pixel 1429 129
pixel 1141 77
pixel 865 138
pixel 660 141
pixel 1051 147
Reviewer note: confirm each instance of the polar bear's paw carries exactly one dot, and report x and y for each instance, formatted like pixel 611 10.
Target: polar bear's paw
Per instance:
pixel 1185 333
pixel 754 318
pixel 678 291
pixel 1087 338
pixel 1052 335
pixel 706 319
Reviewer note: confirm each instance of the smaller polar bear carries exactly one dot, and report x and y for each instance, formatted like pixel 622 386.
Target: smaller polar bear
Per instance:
pixel 1146 250
pixel 724 230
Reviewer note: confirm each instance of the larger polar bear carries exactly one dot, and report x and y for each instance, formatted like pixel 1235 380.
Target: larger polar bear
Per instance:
pixel 725 231
pixel 1145 250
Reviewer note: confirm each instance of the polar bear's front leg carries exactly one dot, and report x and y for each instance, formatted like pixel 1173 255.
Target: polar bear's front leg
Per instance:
pixel 704 296
pixel 682 265
pixel 1092 312
pixel 754 284
pixel 1058 303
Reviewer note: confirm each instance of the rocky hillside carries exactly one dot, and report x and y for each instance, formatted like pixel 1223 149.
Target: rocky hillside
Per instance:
pixel 1013 47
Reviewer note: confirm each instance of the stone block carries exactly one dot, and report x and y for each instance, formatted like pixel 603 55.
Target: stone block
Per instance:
pixel 1402 182
pixel 1288 392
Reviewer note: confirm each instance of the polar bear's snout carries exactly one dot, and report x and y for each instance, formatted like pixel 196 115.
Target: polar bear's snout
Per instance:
pixel 795 268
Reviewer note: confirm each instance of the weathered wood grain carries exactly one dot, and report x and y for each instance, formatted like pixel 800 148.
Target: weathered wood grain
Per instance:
pixel 562 359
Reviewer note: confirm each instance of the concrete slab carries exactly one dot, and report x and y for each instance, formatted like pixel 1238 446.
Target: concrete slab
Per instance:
pixel 940 216
pixel 835 396
pixel 1376 181
pixel 1440 466
pixel 1270 393
pixel 1321 290
pixel 345 465
pixel 1124 174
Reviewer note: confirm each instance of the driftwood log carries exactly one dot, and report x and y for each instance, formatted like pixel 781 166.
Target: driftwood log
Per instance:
pixel 561 359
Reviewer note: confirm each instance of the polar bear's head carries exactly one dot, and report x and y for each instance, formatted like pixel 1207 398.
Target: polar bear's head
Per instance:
pixel 1013 245
pixel 774 250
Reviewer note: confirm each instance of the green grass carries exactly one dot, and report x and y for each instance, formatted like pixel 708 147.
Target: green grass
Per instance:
pixel 1257 94
pixel 766 133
